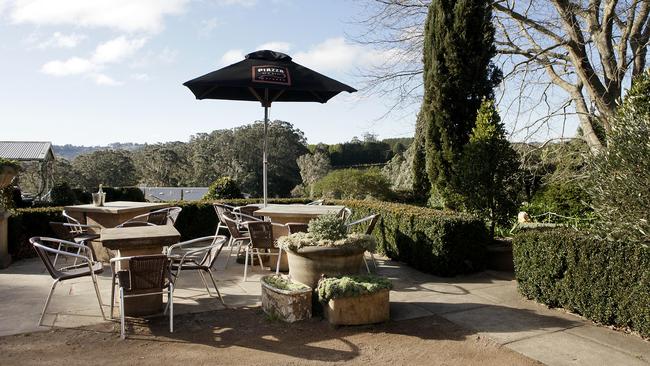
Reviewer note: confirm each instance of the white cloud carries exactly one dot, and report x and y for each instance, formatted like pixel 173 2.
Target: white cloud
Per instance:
pixel 208 25
pixel 141 77
pixel 275 46
pixel 71 66
pixel 60 40
pixel 117 50
pixel 104 80
pixel 232 56
pixel 335 54
pixel 124 15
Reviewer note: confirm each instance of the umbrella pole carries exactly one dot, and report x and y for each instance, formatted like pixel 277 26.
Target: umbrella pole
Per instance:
pixel 264 161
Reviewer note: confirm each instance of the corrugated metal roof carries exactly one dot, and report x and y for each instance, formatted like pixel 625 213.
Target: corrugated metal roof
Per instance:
pixel 26 150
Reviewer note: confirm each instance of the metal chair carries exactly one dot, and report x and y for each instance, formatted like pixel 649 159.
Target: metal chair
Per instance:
pixel 345 214
pixel 236 235
pixel 372 221
pixel 147 275
pixel 88 267
pixel 164 216
pixel 197 255
pixel 315 203
pixel 71 233
pixel 135 224
pixel 261 237
pixel 220 209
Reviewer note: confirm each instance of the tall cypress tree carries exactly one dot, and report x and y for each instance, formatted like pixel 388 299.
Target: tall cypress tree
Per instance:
pixel 458 75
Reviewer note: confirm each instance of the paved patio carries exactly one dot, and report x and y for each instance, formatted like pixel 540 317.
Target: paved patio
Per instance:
pixel 486 303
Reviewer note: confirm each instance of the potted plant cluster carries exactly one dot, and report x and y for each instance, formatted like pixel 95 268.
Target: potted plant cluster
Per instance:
pixel 355 300
pixel 285 299
pixel 325 249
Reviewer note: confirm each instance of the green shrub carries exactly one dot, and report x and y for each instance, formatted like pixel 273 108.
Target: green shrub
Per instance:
pixel 28 222
pixel 351 286
pixel 62 195
pixel 353 184
pixel 134 194
pixel 224 187
pixel 282 282
pixel 567 199
pixel 605 281
pixel 328 227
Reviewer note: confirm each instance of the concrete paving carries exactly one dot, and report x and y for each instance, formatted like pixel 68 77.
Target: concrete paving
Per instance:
pixel 485 303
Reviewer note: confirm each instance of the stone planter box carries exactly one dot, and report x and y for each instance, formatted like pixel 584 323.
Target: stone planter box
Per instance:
pixel 358 310
pixel 289 306
pixel 308 264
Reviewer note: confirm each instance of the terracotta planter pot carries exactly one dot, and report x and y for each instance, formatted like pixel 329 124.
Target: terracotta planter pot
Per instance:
pixel 309 263
pixel 289 306
pixel 365 309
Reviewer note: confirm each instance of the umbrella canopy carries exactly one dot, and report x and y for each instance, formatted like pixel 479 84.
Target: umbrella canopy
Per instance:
pixel 266 76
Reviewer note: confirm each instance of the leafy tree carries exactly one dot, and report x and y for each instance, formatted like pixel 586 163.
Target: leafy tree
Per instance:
pixel 353 184
pixel 61 195
pixel 313 167
pixel 163 165
pixel 458 74
pixel 488 170
pixel 224 187
pixel 621 174
pixel 108 167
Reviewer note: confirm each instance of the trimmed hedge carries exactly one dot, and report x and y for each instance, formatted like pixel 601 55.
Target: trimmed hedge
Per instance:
pixel 438 242
pixel 605 281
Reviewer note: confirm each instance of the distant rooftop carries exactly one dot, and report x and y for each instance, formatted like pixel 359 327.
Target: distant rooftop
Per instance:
pixel 26 150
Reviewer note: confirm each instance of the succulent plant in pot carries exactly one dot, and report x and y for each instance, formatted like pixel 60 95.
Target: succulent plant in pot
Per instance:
pixel 325 249
pixel 354 300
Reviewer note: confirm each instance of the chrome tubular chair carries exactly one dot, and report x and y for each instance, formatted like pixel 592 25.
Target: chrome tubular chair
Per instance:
pixel 236 235
pixel 70 232
pixel 88 267
pixel 372 221
pixel 147 275
pixel 315 203
pixel 345 214
pixel 220 209
pixel 261 237
pixel 197 255
pixel 296 227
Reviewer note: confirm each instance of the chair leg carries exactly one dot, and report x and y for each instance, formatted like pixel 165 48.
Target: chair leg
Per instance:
pixel 277 266
pixel 374 261
pixel 170 301
pixel 365 261
pixel 47 301
pixel 231 244
pixel 246 265
pixel 99 295
pixel 216 288
pixel 259 258
pixel 112 294
pixel 122 331
pixel 205 283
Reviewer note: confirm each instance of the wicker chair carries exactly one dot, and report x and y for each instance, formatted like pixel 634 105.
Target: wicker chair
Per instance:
pixel 372 221
pixel 88 267
pixel 197 255
pixel 147 275
pixel 261 237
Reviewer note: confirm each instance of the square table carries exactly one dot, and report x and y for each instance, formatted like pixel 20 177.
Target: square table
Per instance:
pixel 140 240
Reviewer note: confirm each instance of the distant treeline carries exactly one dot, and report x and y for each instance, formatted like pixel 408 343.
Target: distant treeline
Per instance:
pixel 70 152
pixel 366 152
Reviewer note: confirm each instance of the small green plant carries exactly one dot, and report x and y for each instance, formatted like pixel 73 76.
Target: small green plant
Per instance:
pixel 351 286
pixel 224 187
pixel 352 241
pixel 327 227
pixel 283 283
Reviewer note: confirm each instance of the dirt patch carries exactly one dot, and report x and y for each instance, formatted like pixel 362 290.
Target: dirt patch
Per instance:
pixel 248 337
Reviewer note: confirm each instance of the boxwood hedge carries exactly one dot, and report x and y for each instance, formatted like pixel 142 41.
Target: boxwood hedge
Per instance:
pixel 438 242
pixel 606 281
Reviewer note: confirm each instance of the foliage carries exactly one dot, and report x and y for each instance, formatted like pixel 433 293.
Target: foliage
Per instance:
pixel 7 193
pixel 352 241
pixel 621 174
pixel 61 195
pixel 488 170
pixel 9 164
pixel 163 165
pixel 327 227
pixel 224 187
pixel 568 199
pixel 458 74
pixel 353 184
pixel 25 223
pixel 312 168
pixel 284 283
pixel 356 152
pixel 237 153
pixel 399 170
pixel 134 194
pixel 606 281
pixel 108 167
pixel 351 286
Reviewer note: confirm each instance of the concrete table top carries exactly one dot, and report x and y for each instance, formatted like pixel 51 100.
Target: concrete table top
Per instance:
pixel 117 207
pixel 293 211
pixel 139 237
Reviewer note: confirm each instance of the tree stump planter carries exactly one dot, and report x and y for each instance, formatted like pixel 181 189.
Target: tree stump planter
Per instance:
pixel 308 264
pixel 287 305
pixel 358 310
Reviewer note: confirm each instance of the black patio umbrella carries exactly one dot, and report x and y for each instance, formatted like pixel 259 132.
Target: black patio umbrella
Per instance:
pixel 266 76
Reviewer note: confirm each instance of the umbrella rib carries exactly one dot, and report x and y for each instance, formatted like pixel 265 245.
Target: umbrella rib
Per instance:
pixel 255 94
pixel 207 92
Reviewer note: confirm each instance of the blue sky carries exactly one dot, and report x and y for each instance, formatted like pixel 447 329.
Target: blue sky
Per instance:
pixel 91 72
